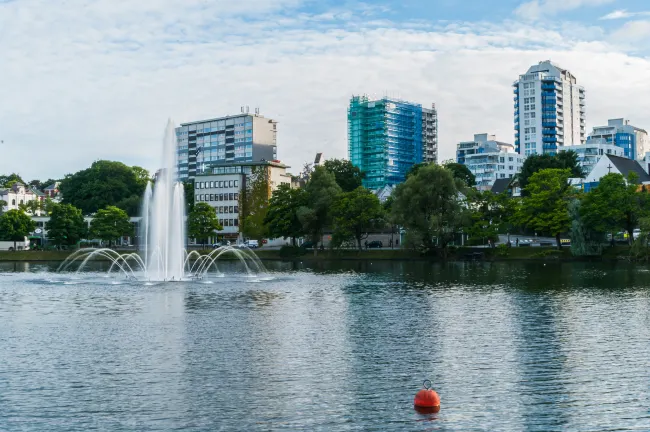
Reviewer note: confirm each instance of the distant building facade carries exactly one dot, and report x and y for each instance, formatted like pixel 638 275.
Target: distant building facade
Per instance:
pixel 488 159
pixel 232 139
pixel 222 187
pixel 619 132
pixel 549 110
pixel 16 195
pixel 615 165
pixel 590 153
pixel 387 136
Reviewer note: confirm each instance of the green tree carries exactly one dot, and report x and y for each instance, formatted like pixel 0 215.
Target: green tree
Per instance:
pixel 545 208
pixel 534 163
pixel 105 183
pixel 461 172
pixel 585 240
pixel 3 204
pixel 415 168
pixel 7 181
pixel 430 206
pixel 347 176
pixel 15 225
pixel 31 207
pixel 615 204
pixel 202 222
pixel 321 190
pixel 66 225
pixel 188 189
pixel 354 214
pixel 282 217
pixel 142 176
pixel 110 224
pixel 254 203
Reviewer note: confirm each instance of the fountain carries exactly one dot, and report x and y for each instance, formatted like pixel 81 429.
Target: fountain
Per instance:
pixel 164 256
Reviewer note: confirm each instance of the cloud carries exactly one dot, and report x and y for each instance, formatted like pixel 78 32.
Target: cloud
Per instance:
pixel 94 80
pixel 622 14
pixel 536 9
pixel 633 31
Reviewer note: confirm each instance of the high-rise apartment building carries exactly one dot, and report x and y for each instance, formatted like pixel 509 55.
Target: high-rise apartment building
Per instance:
pixel 239 138
pixel 488 159
pixel 386 137
pixel 549 110
pixel 619 132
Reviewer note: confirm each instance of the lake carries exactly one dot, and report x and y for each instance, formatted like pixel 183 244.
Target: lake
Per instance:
pixel 338 346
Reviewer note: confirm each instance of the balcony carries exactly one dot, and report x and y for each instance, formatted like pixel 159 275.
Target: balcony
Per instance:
pixel 549 139
pixel 548 124
pixel 549 131
pixel 549 116
pixel 549 86
pixel 516 90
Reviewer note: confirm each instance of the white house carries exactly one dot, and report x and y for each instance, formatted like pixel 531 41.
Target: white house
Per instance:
pixel 16 195
pixel 488 159
pixel 614 164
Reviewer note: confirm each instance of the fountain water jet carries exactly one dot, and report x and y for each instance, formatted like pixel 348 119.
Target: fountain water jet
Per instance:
pixel 163 229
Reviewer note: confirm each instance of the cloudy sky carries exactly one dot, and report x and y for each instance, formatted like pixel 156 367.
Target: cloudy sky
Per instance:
pixel 84 80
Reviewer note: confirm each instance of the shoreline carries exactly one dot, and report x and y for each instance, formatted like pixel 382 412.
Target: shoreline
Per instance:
pixel 618 253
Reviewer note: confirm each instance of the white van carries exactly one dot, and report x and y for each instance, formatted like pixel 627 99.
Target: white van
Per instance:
pixel 253 244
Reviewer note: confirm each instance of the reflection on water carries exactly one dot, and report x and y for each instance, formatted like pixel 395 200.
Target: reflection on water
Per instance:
pixel 332 346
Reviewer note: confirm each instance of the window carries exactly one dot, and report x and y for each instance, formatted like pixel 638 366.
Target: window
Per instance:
pixel 532 115
pixel 510 159
pixel 236 222
pixel 220 197
pixel 532 130
pixel 211 184
pixel 236 209
pixel 231 196
pixel 230 184
pixel 236 183
pixel 220 209
pixel 510 167
pixel 211 197
pixel 236 196
pixel 231 209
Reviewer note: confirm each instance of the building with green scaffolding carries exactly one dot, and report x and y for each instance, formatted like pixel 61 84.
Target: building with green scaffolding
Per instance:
pixel 386 137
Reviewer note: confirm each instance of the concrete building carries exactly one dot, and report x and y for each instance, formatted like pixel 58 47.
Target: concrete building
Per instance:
pixel 619 132
pixel 590 153
pixel 222 187
pixel 488 159
pixel 16 195
pixel 387 136
pixel 244 137
pixel 549 110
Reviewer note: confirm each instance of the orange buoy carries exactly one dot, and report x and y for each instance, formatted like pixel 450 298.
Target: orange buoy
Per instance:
pixel 427 400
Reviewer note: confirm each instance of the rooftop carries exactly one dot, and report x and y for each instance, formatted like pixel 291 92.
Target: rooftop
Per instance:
pixel 625 166
pixel 226 118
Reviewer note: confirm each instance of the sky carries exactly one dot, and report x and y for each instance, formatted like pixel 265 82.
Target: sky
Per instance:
pixel 85 80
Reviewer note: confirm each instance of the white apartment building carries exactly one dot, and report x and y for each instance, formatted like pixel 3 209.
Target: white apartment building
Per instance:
pixel 590 153
pixel 222 187
pixel 488 159
pixel 549 110
pixel 619 132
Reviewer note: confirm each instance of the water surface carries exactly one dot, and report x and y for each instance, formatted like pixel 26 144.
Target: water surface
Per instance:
pixel 339 346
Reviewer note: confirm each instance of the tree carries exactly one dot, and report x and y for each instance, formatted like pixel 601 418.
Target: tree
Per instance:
pixel 254 203
pixel 15 225
pixel 66 226
pixel 188 189
pixel 31 207
pixel 534 163
pixel 105 183
pixel 3 204
pixel 585 240
pixel 347 176
pixel 615 204
pixel 7 181
pixel 110 224
pixel 202 222
pixel 321 191
pixel 354 214
pixel 430 206
pixel 461 172
pixel 282 217
pixel 545 208
pixel 415 168
pixel 142 176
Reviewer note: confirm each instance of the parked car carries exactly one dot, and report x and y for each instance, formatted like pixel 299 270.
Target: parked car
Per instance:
pixel 375 244
pixel 307 245
pixel 253 244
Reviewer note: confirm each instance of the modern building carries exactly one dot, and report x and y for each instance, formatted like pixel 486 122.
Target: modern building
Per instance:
pixel 613 164
pixel 590 153
pixel 620 133
pixel 488 159
pixel 549 110
pixel 386 137
pixel 17 195
pixel 232 139
pixel 222 186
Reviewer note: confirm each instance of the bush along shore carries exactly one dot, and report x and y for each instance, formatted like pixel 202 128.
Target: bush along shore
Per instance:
pixel 618 253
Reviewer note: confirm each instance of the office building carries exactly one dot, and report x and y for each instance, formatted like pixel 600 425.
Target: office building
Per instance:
pixel 386 137
pixel 222 186
pixel 620 133
pixel 549 110
pixel 240 138
pixel 488 159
